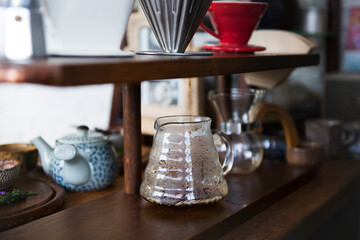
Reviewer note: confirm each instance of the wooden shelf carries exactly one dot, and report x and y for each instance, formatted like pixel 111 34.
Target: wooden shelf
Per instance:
pixel 307 212
pixel 83 71
pixel 278 201
pixel 130 72
pixel 128 216
pixel 124 216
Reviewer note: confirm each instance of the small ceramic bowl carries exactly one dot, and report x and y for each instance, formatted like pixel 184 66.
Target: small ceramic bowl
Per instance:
pixel 26 154
pixel 306 154
pixel 9 171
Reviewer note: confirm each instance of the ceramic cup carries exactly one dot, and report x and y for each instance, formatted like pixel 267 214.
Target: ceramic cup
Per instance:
pixel 332 134
pixel 9 171
pixel 306 154
pixel 86 27
pixel 234 22
pixel 26 154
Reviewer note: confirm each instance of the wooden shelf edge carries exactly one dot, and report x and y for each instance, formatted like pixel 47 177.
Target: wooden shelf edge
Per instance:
pixel 131 217
pixel 84 71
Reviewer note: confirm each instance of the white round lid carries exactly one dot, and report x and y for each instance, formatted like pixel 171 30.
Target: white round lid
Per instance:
pixel 83 135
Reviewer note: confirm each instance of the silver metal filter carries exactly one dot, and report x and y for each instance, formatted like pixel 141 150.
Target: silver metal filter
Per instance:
pixel 174 22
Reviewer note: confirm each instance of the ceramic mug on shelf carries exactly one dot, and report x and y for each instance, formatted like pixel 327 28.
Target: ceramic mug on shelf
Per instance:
pixel 86 27
pixel 234 22
pixel 353 148
pixel 332 134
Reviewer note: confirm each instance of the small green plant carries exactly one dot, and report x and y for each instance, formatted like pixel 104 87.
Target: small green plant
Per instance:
pixel 6 198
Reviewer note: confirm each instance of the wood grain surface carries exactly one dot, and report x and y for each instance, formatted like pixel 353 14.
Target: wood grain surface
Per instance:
pixel 83 71
pixel 132 137
pixel 122 216
pixel 43 194
pixel 300 213
pixel 49 198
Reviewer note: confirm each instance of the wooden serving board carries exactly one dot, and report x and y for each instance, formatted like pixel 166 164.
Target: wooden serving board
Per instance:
pixel 48 199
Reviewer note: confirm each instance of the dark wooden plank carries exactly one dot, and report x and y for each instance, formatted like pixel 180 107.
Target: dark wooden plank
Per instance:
pixel 300 213
pixel 122 216
pixel 132 137
pixel 83 71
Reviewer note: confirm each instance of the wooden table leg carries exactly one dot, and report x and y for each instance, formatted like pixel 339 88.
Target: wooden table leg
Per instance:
pixel 132 137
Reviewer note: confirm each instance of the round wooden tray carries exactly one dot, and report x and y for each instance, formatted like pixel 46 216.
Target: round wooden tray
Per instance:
pixel 48 199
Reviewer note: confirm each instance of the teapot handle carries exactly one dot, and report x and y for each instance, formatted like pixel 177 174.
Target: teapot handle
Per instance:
pixel 229 157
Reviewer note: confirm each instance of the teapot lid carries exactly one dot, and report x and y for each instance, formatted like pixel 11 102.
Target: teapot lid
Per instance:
pixel 83 135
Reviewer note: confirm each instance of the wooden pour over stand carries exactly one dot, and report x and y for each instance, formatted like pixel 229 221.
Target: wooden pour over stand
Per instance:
pixel 127 215
pixel 130 72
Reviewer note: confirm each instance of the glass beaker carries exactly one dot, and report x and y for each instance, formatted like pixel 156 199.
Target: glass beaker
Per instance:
pixel 184 167
pixel 233 109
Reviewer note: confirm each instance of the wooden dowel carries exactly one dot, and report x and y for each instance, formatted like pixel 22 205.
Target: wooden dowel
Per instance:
pixel 116 107
pixel 132 137
pixel 223 84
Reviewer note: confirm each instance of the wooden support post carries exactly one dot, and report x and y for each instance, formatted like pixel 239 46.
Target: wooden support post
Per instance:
pixel 132 137
pixel 116 116
pixel 223 84
pixel 332 42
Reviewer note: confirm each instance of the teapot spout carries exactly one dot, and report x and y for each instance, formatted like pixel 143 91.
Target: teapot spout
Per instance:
pixel 45 153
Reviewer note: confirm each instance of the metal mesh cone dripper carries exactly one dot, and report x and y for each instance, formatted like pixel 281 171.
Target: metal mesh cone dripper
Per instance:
pixel 174 22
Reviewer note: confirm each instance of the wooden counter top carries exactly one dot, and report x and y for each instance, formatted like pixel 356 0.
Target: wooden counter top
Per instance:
pixel 82 71
pixel 275 202
pixel 301 213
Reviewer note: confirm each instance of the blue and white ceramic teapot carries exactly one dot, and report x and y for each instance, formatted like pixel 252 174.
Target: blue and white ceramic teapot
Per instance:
pixel 84 161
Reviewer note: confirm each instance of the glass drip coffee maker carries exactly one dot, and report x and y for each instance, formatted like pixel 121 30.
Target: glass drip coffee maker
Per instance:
pixel 232 109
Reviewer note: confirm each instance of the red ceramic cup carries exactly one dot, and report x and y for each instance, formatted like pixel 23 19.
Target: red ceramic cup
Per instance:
pixel 234 22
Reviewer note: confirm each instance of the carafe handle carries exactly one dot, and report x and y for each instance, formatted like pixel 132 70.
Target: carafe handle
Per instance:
pixel 229 157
